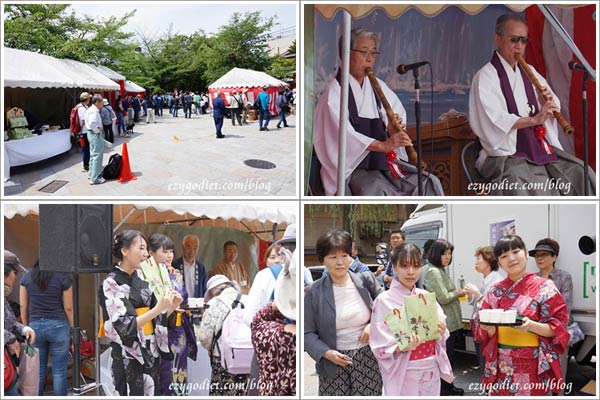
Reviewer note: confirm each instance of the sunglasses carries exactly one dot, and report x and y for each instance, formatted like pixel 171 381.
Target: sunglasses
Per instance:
pixel 517 39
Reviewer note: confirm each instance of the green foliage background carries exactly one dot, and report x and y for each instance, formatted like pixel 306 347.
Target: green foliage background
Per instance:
pixel 160 64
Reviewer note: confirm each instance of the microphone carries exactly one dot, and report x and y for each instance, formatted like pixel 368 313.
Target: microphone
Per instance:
pixel 404 68
pixel 575 65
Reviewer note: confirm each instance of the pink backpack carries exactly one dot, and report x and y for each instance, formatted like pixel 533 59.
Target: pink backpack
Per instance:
pixel 235 341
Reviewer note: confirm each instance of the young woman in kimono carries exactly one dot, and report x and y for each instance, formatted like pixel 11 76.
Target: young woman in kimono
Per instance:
pixel 134 320
pixel 416 370
pixel 524 360
pixel 182 340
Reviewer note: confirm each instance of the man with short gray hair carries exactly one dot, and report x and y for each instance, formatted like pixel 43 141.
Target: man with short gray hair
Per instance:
pixel 371 136
pixel 93 127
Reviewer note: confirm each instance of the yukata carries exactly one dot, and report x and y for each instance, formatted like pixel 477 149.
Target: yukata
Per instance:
pixel 409 373
pixel 182 340
pixel 367 172
pixel 524 364
pixel 520 162
pixel 275 352
pixel 136 350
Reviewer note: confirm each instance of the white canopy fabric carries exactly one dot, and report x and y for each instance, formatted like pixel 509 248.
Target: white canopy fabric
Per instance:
pixel 275 212
pixel 109 73
pixel 239 77
pixel 26 69
pixel 395 10
pixel 133 87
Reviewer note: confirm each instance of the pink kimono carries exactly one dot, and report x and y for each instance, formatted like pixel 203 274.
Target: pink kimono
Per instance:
pixel 402 376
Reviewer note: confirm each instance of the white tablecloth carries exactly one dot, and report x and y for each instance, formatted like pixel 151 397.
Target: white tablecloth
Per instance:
pixel 36 148
pixel 199 372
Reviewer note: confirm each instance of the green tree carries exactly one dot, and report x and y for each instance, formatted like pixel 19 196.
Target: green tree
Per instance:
pixel 283 67
pixel 241 43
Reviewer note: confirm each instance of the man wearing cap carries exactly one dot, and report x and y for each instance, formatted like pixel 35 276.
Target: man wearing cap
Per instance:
pixel 108 117
pixel 193 271
pixel 86 101
pixel 93 125
pixel 235 107
pixel 232 269
pixel 263 109
pixel 545 254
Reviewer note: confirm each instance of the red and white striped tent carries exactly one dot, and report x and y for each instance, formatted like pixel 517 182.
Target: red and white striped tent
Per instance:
pixel 238 79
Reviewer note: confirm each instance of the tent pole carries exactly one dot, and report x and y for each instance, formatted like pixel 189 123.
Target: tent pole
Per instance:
pixel 341 178
pixel 129 214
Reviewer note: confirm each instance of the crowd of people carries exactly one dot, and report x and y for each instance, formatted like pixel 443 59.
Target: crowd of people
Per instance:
pixel 356 353
pixel 146 316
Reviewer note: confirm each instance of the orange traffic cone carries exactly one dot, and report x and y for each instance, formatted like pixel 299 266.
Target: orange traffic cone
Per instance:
pixel 126 175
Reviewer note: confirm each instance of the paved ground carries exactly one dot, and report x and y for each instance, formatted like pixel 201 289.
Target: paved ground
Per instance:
pixel 179 157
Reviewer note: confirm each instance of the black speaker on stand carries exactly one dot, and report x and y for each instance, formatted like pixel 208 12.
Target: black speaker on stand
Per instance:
pixel 76 238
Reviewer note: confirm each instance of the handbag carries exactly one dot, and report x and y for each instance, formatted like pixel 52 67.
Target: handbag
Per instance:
pixel 11 374
pixel 29 371
pixel 575 332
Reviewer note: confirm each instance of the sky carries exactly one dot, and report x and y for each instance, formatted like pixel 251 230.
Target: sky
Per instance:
pixel 153 18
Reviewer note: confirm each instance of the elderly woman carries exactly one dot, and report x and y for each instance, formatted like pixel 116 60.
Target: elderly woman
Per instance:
pixel 134 320
pixel 437 281
pixel 222 295
pixel 337 316
pixel 421 362
pixel 487 265
pixel 524 360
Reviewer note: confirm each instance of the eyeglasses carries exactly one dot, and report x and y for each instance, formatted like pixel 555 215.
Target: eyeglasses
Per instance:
pixel 366 53
pixel 517 39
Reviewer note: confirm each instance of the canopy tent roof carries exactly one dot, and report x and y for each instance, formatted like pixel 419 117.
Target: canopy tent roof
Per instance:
pixel 26 69
pixel 258 220
pixel 395 10
pixel 239 77
pixel 133 87
pixel 109 73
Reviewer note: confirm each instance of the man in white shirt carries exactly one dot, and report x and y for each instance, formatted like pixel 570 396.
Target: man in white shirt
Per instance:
pixel 370 136
pixel 193 271
pixel 93 126
pixel 521 153
pixel 86 101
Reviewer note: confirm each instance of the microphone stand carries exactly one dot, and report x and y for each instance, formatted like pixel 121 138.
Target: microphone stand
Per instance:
pixel 586 155
pixel 418 122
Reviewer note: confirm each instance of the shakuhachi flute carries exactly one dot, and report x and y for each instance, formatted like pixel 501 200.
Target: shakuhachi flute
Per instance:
pixel 410 151
pixel 565 125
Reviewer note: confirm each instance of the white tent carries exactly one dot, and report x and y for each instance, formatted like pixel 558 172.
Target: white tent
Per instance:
pixel 109 73
pixel 132 87
pixel 240 78
pixel 26 69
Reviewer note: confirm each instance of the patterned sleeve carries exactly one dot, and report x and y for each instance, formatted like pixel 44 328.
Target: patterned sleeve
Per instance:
pixel 119 314
pixel 566 289
pixel 553 311
pixel 212 322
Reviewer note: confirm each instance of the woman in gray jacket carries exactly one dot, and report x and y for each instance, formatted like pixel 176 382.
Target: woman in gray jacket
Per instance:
pixel 337 313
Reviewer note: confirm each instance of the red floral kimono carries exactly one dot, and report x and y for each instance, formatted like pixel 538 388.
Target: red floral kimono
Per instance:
pixel 525 371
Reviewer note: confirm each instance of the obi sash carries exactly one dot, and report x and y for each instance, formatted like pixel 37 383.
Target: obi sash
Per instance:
pixel 511 337
pixel 530 146
pixel 148 327
pixel 371 127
